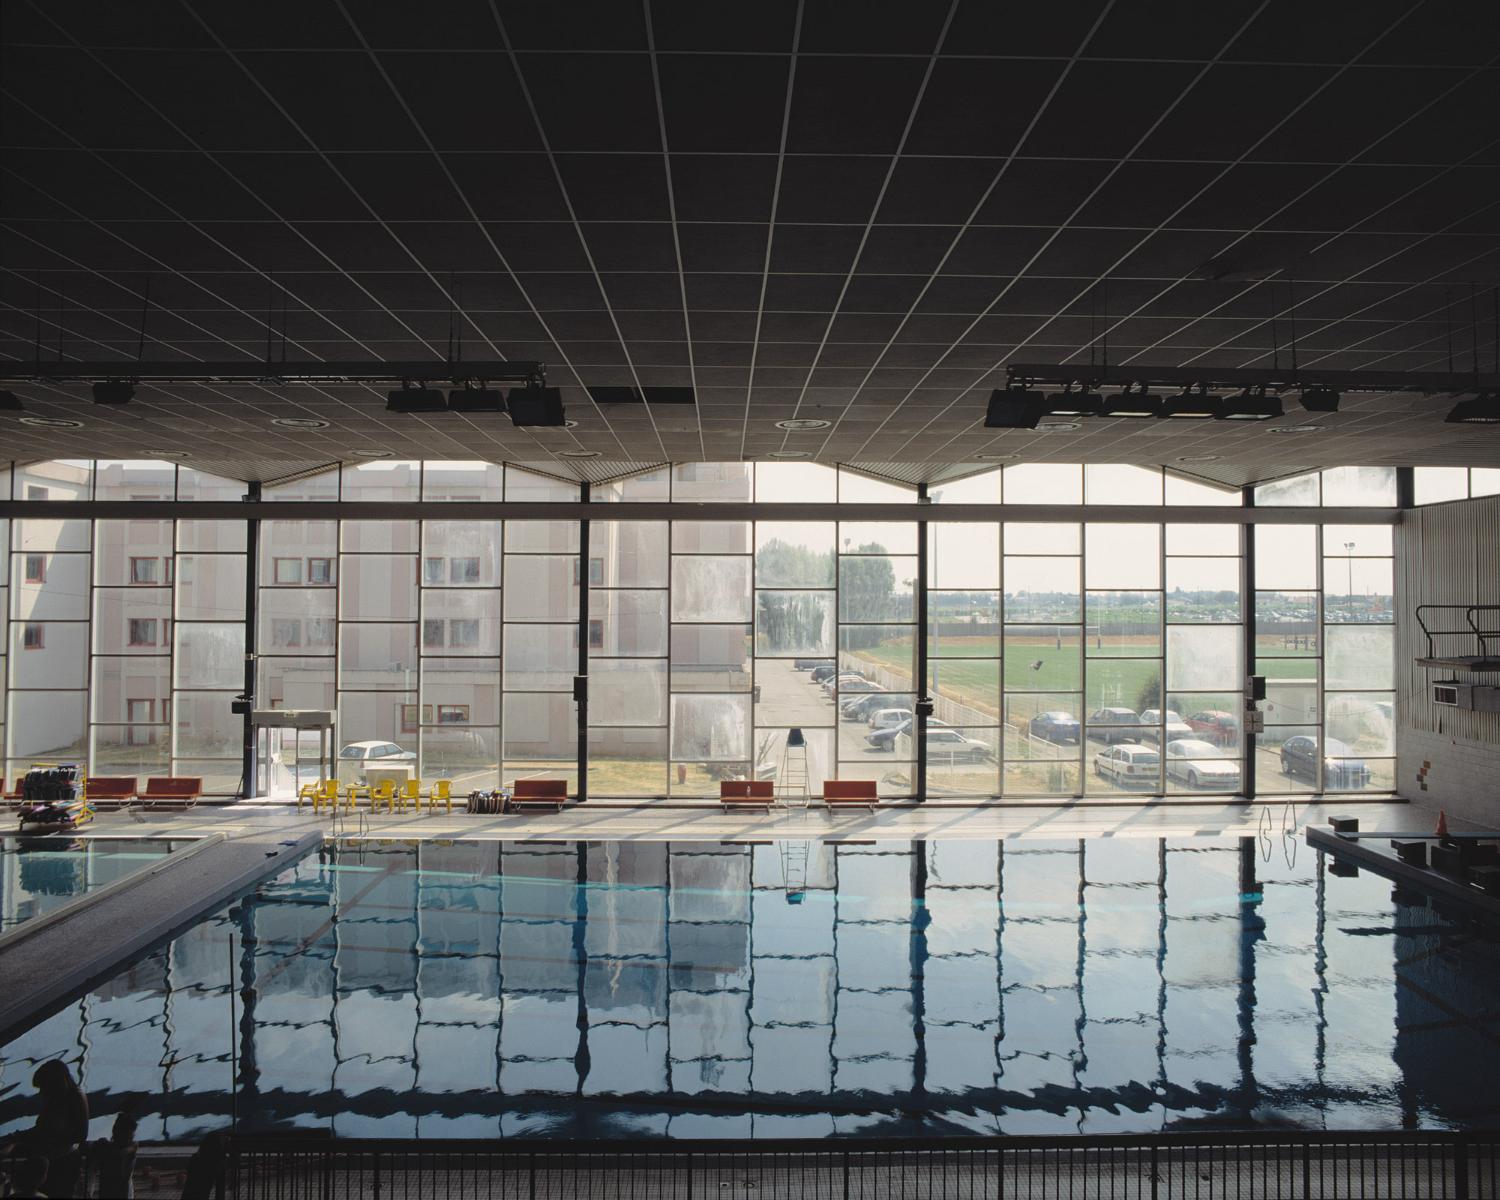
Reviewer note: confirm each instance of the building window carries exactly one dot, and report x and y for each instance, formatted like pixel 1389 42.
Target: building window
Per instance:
pixel 596 635
pixel 168 579
pixel 409 717
pixel 320 631
pixel 463 570
pixel 596 572
pixel 287 570
pixel 143 631
pixel 320 570
pixel 453 714
pixel 432 634
pixel 463 633
pixel 286 633
pixel 36 568
pixel 33 636
pixel 432 571
pixel 143 570
pixel 35 491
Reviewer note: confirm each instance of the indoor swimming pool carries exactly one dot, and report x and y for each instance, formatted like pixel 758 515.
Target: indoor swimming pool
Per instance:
pixel 791 989
pixel 40 874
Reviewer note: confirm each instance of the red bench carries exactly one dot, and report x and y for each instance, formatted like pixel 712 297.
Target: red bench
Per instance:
pixel 172 789
pixel 551 793
pixel 747 793
pixel 110 789
pixel 839 792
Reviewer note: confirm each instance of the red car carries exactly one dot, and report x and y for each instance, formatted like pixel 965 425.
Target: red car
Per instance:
pixel 1216 726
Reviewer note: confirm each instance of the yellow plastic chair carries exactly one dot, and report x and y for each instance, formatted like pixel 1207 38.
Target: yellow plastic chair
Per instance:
pixel 441 793
pixel 410 793
pixel 383 792
pixel 311 792
pixel 325 792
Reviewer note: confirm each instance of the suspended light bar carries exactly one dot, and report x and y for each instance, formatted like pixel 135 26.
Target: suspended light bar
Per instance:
pixel 320 373
pixel 1483 409
pixel 1014 408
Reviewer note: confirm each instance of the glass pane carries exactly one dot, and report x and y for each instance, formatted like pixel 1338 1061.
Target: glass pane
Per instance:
pixel 711 537
pixel 296 621
pixel 210 656
pixel 1118 691
pixel 294 683
pixel 1434 485
pixel 1042 590
pixel 323 486
pixel 132 620
pixel 541 537
pixel 625 691
pixel 459 480
pixel 877 588
pixel 628 623
pixel 1362 723
pixel 46 534
pixel 710 728
pixel 205 727
pixel 871 649
pixel 870 735
pixel 378 587
pixel 1197 765
pixel 139 750
pixel 711 658
pixel 793 623
pixel 1203 589
pixel 1361 657
pixel 1214 717
pixel 963 624
pixel 1182 490
pixel 210 587
pixel 380 657
pixel 468 758
pixel 1484 481
pixel 877 537
pixel 1123 624
pixel 786 696
pixel 461 691
pixel 131 691
pixel 541 587
pixel 1122 556
pixel 1044 483
pixel 212 537
pixel 50 587
pixel 720 481
pixel 1043 658
pixel 1121 484
pixel 386 480
pixel 634 553
pixel 283 543
pixel 1043 537
pixel 1203 539
pixel 983 488
pixel 1360 541
pixel 540 738
pixel 61 479
pixel 1286 556
pixel 366 537
pixel 1201 657
pixel 45 727
pixel 1360 487
pixel 1358 590
pixel 710 589
pixel 1298 490
pixel 48 654
pixel 133 552
pixel 649 486
pixel 456 621
pixel 528 485
pixel 627 762
pixel 1291 692
pixel 789 482
pixel 461 553
pixel 794 554
pixel 540 658
pixel 962 761
pixel 379 717
pixel 963 555
pixel 971 686
pixel 861 489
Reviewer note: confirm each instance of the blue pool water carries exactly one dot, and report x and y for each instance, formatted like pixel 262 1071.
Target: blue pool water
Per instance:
pixel 39 874
pixel 688 990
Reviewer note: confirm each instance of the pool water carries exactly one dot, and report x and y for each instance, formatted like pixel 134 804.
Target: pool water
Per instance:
pixel 608 989
pixel 43 873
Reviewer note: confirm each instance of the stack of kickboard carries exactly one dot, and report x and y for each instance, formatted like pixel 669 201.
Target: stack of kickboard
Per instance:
pixel 486 802
pixel 51 795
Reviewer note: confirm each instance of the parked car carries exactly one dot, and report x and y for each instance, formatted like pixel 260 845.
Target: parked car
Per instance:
pixel 885 739
pixel 837 679
pixel 1128 763
pixel 1055 726
pixel 859 706
pixel 1198 763
pixel 948 746
pixel 1216 726
pixel 1151 718
pixel 824 671
pixel 888 718
pixel 809 664
pixel 1341 771
pixel 853 685
pixel 1110 725
pixel 356 757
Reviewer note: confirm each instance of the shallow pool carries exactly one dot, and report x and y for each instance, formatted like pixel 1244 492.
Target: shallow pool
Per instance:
pixel 797 989
pixel 43 873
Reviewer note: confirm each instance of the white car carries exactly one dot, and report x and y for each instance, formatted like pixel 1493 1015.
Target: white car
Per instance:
pixel 357 756
pixel 1201 764
pixel 1176 727
pixel 888 718
pixel 1128 762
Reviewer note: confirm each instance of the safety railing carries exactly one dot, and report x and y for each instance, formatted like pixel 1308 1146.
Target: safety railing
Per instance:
pixel 1484 629
pixel 1375 1165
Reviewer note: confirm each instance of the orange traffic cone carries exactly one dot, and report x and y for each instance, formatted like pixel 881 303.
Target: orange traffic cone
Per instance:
pixel 1442 826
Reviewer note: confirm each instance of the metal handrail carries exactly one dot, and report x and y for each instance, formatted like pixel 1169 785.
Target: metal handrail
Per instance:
pixel 1482 637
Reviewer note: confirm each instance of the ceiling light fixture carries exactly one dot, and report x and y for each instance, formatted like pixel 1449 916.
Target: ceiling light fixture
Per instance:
pixel 1075 400
pixel 113 391
pixel 167 453
pixel 476 400
pixel 1193 403
pixel 1015 407
pixel 1253 405
pixel 803 424
pixel 578 454
pixel 373 453
pixel 531 407
pixel 1196 458
pixel 1056 426
pixel 300 422
pixel 1320 399
pixel 994 457
pixel 1295 429
pixel 1133 401
pixel 52 422
pixel 10 402
pixel 1483 409
pixel 789 454
pixel 413 398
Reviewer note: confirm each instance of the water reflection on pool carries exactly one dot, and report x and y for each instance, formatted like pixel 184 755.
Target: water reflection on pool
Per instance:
pixel 43 872
pixel 798 989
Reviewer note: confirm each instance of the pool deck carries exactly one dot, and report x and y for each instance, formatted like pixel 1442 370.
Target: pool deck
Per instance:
pixel 657 822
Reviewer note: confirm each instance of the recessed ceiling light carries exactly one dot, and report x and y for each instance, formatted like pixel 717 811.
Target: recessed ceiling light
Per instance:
pixel 994 457
pixel 1056 426
pixel 372 453
pixel 1198 458
pixel 52 422
pixel 578 454
pixel 789 454
pixel 299 422
pixel 803 424
pixel 1295 429
pixel 167 453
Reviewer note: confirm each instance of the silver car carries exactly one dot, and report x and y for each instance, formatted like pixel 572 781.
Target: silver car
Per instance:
pixel 1201 764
